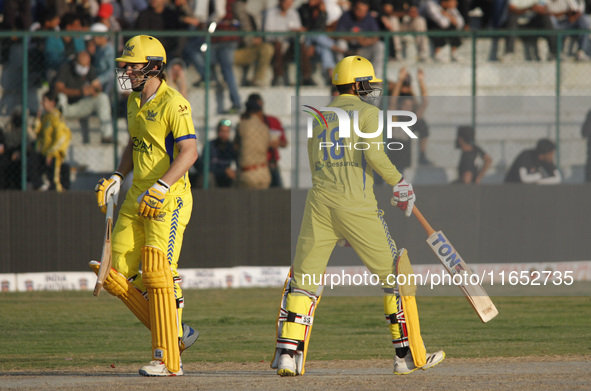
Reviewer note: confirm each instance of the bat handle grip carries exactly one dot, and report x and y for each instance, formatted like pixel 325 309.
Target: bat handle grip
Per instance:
pixel 423 221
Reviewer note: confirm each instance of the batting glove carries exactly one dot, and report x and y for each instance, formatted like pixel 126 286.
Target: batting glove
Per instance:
pixel 152 200
pixel 404 197
pixel 106 188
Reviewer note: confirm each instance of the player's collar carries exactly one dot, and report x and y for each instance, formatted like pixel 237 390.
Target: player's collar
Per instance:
pixel 159 91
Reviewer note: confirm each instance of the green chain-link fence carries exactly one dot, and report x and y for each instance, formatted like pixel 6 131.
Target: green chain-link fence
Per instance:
pixel 500 98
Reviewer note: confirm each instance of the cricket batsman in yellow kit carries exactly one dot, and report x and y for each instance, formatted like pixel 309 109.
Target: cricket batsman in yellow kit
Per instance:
pixel 149 230
pixel 341 206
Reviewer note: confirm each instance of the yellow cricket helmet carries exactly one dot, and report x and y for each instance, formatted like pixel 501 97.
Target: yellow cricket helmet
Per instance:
pixel 141 49
pixel 352 69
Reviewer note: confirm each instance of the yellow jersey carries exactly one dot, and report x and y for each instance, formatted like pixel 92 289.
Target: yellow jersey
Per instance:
pixel 342 175
pixel 53 135
pixel 155 128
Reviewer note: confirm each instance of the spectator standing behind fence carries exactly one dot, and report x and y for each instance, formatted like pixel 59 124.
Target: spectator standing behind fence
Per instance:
pixel 130 9
pixel 283 18
pixel 222 156
pixel 17 17
pixel 403 15
pixel 161 16
pixel 474 162
pixel 11 154
pixel 80 95
pixel 407 100
pixel 535 165
pixel 102 52
pixel 359 20
pixel 277 140
pixel 221 52
pixel 252 142
pixel 48 21
pixel 10 150
pixel 444 16
pixel 105 16
pixel 59 50
pixel 53 139
pixel 314 18
pixel 252 50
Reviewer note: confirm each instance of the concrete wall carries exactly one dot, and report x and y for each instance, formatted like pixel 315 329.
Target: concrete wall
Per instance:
pixel 63 232
pixel 487 223
pixel 493 223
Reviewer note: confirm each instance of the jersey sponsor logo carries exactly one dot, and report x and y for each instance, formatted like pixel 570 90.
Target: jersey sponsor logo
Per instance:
pixel 342 164
pixel 319 166
pixel 151 115
pixel 182 108
pixel 141 146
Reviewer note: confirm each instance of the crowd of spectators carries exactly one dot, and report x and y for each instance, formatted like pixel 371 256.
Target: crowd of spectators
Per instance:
pixel 276 51
pixel 251 160
pixel 79 68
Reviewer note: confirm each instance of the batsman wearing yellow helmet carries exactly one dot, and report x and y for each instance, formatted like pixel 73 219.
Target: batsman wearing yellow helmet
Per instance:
pixel 149 230
pixel 341 206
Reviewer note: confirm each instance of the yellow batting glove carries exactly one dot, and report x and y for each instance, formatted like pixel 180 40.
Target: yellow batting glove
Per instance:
pixel 152 200
pixel 107 187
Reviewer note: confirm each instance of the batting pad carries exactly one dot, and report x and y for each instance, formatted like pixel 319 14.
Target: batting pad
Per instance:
pixel 117 285
pixel 294 323
pixel 411 312
pixel 157 278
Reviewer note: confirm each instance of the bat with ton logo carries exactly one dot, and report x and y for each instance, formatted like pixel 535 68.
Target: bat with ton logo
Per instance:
pixel 454 264
pixel 106 255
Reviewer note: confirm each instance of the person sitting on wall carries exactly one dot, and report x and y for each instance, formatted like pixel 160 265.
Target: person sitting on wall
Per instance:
pixel 474 162
pixel 535 166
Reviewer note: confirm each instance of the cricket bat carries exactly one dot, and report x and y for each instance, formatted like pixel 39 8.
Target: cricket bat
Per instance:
pixel 454 264
pixel 106 255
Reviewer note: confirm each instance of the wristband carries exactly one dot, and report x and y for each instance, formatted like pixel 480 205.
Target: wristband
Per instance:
pixel 165 185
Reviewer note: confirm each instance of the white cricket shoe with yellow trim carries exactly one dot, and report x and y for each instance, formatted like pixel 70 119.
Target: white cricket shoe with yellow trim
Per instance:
pixel 286 366
pixel 157 368
pixel 406 365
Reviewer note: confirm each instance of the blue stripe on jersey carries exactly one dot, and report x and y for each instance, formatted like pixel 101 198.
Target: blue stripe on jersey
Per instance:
pixel 187 137
pixel 174 223
pixel 169 145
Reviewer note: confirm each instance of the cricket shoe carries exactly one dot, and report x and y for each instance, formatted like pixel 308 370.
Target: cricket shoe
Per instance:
pixel 287 366
pixel 158 368
pixel 188 339
pixel 406 365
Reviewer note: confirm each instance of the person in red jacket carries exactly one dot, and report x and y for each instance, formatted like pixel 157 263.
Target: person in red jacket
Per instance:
pixel 278 140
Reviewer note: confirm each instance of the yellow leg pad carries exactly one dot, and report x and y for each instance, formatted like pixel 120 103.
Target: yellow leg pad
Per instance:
pixel 391 307
pixel 117 285
pixel 411 312
pixel 157 278
pixel 299 305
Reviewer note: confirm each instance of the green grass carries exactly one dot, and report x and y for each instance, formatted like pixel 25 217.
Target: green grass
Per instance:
pixel 73 329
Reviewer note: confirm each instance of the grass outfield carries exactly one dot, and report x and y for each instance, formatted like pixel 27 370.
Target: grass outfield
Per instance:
pixel 50 330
